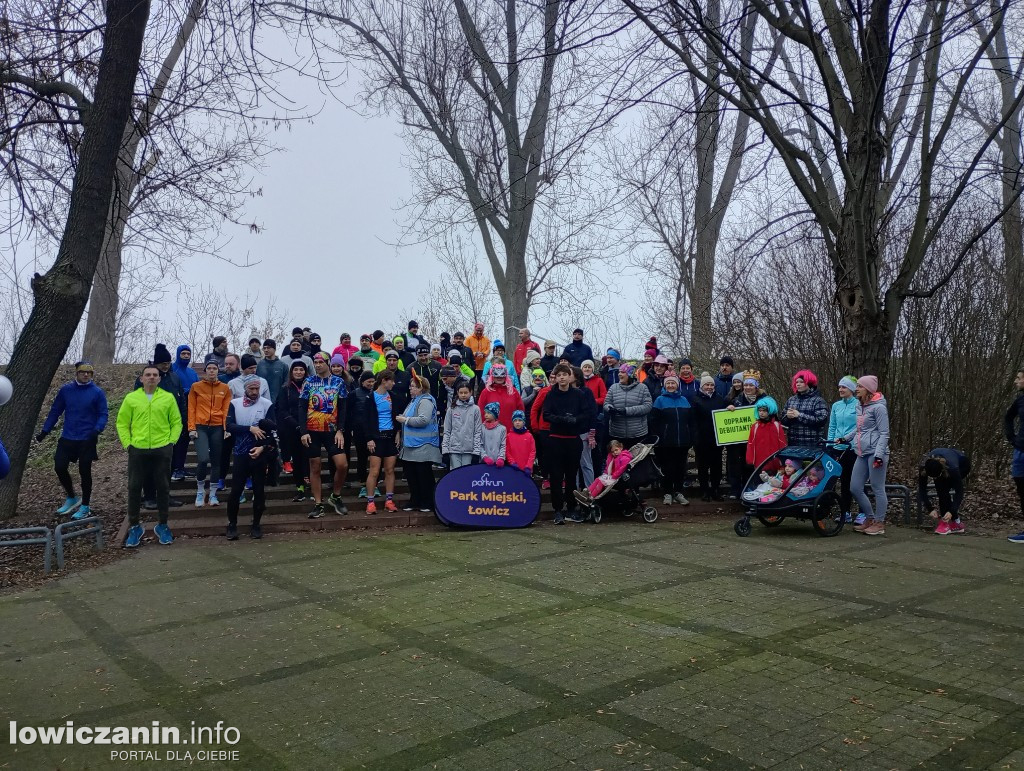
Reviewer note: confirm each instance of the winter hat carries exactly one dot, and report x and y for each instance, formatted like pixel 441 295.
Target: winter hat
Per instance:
pixel 367 375
pixel 454 357
pixel 300 364
pixel 295 331
pixel 270 343
pixel 396 338
pixel 737 376
pixel 448 371
pixel 83 366
pixel 585 363
pixel 518 415
pixel 809 378
pixel 365 336
pixel 378 333
pixel 629 369
pixel 248 360
pixel 538 372
pixel 869 383
pixel 356 361
pixel 498 344
pixel 161 354
pixel 424 348
pixel 337 359
pixel 253 340
pixel 531 355
pixel 613 353
pixel 445 337
pixel 671 378
pixel 580 331
pixel 848 381
pixel 705 378
pixel 392 354
pixel 414 325
pixel 435 347
pixel 726 360
pixel 494 408
pixel 661 359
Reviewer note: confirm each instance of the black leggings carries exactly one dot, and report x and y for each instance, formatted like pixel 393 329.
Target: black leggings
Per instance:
pixel 709 468
pixel 563 459
pixel 245 468
pixel 847 460
pixel 60 466
pixel 673 467
pixel 420 475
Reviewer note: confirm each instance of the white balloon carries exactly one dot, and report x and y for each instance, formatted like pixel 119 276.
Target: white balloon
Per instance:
pixel 6 390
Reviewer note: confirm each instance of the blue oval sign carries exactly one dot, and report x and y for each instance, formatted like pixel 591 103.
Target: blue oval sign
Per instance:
pixel 486 496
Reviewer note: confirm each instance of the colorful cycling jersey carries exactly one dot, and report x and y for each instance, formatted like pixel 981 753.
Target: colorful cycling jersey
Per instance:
pixel 323 395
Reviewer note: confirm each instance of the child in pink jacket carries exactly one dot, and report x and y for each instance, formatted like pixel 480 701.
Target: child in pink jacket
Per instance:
pixel 617 462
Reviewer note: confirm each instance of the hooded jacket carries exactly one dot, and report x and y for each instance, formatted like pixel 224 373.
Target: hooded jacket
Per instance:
pixel 1013 423
pixel 723 384
pixel 627 408
pixel 508 401
pixel 208 404
pixel 275 372
pixel 766 436
pixel 842 420
pixel 360 411
pixel 520 449
pixel 871 436
pixel 493 441
pixel 673 420
pixel 597 388
pixel 84 408
pixel 183 369
pixel 146 422
pixel 462 426
pixel 808 429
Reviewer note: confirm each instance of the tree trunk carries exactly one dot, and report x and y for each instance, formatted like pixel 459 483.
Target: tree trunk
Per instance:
pixel 100 344
pixel 61 294
pixel 515 301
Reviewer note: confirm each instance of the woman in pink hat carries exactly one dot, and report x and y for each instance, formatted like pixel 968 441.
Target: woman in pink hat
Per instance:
pixel 870 442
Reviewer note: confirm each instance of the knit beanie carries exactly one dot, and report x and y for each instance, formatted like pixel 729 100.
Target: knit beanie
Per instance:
pixel 218 340
pixel 737 376
pixel 494 408
pixel 519 415
pixel 161 354
pixel 671 378
pixel 538 372
pixel 248 360
pixel 270 343
pixel 300 364
pixel 869 383
pixel 848 381
pixel 337 359
pixel 585 363
pixel 448 371
pixel 705 378
pixel 367 375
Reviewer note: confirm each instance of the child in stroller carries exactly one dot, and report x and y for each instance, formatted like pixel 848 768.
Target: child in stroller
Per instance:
pixel 636 472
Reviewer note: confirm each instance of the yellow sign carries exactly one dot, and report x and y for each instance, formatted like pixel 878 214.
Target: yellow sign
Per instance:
pixel 733 426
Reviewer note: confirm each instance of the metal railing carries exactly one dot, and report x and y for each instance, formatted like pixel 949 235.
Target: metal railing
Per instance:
pixel 76 528
pixel 45 540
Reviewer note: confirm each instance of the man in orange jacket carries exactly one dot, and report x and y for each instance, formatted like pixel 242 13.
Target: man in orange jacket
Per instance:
pixel 208 403
pixel 480 347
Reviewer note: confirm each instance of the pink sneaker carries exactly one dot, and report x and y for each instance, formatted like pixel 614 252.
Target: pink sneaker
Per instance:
pixel 956 527
pixel 943 528
pixel 546 485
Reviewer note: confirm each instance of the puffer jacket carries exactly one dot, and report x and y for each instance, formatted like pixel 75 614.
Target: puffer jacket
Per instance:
pixel 808 429
pixel 627 408
pixel 672 420
pixel 462 425
pixel 871 436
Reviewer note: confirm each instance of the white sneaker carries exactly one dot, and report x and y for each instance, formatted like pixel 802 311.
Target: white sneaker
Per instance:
pixel 667 500
pixel 681 500
pixel 200 498
pixel 213 498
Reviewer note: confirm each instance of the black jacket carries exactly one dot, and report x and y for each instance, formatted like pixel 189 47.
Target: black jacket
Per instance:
pixel 571 412
pixel 703 406
pixel 547 363
pixel 673 420
pixel 1013 423
pixel 432 372
pixel 368 427
pixel 360 402
pixel 291 417
pixel 400 393
pixel 577 353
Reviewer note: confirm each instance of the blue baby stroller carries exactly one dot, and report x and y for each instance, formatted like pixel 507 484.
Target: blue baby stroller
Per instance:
pixel 797 482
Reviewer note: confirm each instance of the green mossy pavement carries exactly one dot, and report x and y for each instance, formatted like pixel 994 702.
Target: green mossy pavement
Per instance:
pixel 591 647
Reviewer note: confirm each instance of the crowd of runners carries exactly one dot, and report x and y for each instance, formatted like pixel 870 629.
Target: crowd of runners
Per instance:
pixel 269 416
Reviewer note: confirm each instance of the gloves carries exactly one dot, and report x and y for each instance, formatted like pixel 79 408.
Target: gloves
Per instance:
pixel 499 462
pixel 527 471
pixel 877 463
pixel 41 435
pixel 489 461
pixel 513 465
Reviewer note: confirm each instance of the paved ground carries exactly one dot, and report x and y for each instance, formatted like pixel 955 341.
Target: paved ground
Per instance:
pixel 595 647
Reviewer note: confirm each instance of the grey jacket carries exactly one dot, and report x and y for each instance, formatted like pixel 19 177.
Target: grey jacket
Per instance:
pixel 274 372
pixel 627 408
pixel 425 413
pixel 871 436
pixel 462 425
pixel 492 441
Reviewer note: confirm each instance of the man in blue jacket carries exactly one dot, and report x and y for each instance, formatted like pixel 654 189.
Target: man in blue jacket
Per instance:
pixel 84 407
pixel 577 351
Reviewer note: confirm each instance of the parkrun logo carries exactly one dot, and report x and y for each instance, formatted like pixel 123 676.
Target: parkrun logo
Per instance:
pixel 485 481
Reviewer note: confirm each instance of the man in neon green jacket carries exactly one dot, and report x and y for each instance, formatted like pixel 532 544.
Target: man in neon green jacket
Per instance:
pixel 148 424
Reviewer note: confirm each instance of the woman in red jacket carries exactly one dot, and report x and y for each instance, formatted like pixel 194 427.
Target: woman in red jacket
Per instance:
pixel 595 384
pixel 766 436
pixel 500 389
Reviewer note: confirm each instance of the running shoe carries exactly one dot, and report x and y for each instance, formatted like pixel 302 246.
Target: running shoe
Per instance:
pixel 287 467
pixel 942 528
pixel 1019 538
pixel 248 483
pixel 177 475
pixel 300 495
pixel 232 532
pixel 576 517
pixel 681 500
pixel 389 505
pixel 256 532
pixel 860 520
pixel 875 528
pixel 371 507
pixel 338 504
pixel 667 500
pixel 200 498
pixel 135 533
pixel 220 484
pixel 163 534
pixel 317 512
pixel 956 527
pixel 70 504
pixel 560 519
pixel 213 498
pixel 83 512
pixel 362 492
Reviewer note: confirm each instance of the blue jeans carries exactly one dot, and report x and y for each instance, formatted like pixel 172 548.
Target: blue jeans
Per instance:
pixel 864 470
pixel 1017 465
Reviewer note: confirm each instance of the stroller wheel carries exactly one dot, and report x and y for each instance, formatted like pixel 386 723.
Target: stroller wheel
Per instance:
pixel 595 514
pixel 828 515
pixel 742 527
pixel 772 520
pixel 650 514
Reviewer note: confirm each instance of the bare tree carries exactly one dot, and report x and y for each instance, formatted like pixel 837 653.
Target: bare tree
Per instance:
pixel 497 102
pixel 855 112
pixel 206 311
pixel 61 293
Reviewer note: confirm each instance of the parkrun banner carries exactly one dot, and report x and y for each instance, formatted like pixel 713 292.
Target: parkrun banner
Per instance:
pixel 733 426
pixel 487 496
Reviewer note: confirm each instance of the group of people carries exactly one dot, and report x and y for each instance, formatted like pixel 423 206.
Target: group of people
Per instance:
pixel 464 400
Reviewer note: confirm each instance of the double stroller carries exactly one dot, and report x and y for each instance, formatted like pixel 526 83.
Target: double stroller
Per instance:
pixel 624 493
pixel 801 483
